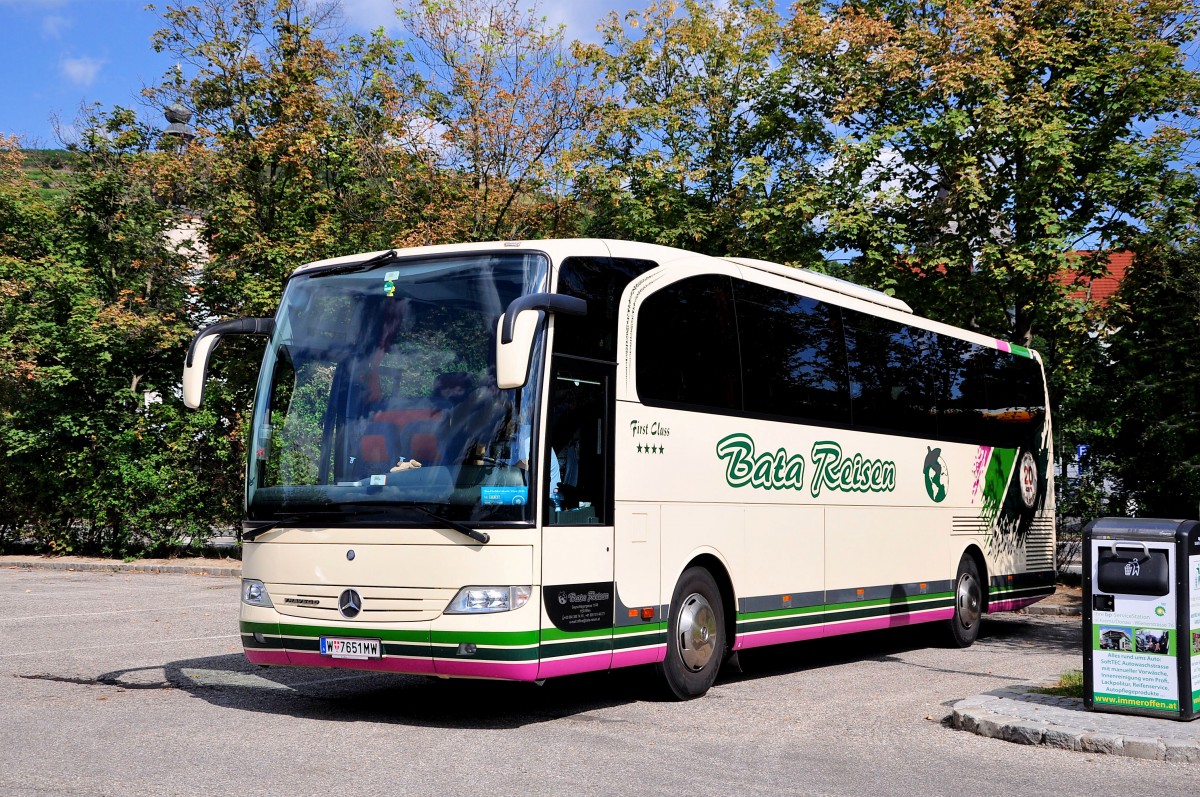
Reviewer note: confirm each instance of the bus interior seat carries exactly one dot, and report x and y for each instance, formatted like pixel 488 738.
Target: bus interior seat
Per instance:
pixel 406 429
pixel 419 441
pixel 376 450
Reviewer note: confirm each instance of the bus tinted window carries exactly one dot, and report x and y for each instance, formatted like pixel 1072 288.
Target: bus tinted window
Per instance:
pixel 600 281
pixel 896 377
pixel 688 345
pixel 793 356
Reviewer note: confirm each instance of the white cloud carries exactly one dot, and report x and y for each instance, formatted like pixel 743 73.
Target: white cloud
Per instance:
pixel 54 26
pixel 81 71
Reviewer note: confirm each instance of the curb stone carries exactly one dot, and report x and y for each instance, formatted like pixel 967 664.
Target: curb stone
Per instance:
pixel 1019 715
pixel 1065 611
pixel 228 571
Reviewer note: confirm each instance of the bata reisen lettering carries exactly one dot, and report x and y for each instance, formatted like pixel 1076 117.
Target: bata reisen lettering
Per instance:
pixel 856 474
pixel 767 471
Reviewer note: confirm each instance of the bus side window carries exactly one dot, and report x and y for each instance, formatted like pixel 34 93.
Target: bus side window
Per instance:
pixel 687 350
pixel 599 281
pixel 577 428
pixel 793 355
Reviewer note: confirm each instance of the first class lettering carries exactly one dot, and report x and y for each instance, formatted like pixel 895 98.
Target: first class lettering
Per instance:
pixel 654 429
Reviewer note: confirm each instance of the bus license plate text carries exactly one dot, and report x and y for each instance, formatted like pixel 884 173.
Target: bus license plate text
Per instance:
pixel 340 648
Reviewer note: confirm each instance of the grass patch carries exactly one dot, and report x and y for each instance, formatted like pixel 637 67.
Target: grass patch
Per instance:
pixel 1070 684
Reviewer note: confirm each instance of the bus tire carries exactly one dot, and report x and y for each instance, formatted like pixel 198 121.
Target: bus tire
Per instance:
pixel 968 603
pixel 695 635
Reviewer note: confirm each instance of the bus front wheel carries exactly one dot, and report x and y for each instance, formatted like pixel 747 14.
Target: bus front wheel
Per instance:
pixel 695 635
pixel 968 603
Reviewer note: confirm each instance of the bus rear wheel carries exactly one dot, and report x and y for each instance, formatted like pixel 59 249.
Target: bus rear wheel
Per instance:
pixel 695 635
pixel 968 603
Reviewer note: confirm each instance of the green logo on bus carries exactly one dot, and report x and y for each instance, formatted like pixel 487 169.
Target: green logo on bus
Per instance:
pixel 936 475
pixel 780 470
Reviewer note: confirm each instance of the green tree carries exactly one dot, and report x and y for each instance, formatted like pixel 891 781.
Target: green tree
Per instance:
pixel 93 319
pixel 980 142
pixel 708 140
pixel 500 102
pixel 1153 396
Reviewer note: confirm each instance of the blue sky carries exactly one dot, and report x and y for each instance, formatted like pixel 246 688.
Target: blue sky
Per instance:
pixel 57 55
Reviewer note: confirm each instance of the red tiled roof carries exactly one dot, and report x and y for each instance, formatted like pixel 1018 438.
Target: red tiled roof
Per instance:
pixel 1098 289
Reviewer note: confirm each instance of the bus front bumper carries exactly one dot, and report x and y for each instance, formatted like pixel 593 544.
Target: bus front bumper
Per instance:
pixel 457 646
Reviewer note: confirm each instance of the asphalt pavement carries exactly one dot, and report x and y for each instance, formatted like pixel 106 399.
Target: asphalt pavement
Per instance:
pixel 1012 712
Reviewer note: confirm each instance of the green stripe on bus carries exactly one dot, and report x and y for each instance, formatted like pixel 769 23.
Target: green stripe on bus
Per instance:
pixel 640 641
pixel 496 638
pixel 313 645
pixel 487 654
pixel 911 600
pixel 1021 350
pixel 484 637
pixel 557 649
pixel 770 621
pixel 557 635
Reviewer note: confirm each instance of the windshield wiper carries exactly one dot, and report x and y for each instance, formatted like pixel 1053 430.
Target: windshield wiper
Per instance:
pixel 349 268
pixel 252 529
pixel 257 528
pixel 479 536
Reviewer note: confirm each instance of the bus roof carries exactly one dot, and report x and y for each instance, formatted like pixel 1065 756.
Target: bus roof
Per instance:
pixel 560 248
pixel 825 281
pixel 664 254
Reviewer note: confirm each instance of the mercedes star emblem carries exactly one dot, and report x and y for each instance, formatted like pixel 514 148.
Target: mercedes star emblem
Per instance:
pixel 350 603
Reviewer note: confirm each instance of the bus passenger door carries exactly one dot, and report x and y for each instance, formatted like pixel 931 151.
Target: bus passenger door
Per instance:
pixel 577 536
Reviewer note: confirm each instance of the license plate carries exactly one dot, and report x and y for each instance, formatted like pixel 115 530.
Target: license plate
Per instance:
pixel 341 648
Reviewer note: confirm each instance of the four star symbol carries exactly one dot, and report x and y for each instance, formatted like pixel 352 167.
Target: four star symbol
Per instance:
pixel 647 449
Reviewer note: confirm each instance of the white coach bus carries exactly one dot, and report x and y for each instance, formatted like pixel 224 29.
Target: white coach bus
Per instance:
pixel 527 459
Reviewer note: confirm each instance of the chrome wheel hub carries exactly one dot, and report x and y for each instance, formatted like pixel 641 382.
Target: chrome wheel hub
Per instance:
pixel 969 601
pixel 697 632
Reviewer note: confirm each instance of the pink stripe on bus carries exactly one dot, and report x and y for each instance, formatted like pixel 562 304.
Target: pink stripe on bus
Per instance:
pixel 632 658
pixel 836 629
pixel 1012 604
pixel 267 656
pixel 1003 345
pixel 398 664
pixel 778 637
pixel 589 663
pixel 509 671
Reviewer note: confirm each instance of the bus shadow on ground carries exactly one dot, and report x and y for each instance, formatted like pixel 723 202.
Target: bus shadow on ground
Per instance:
pixel 229 681
pixel 1005 631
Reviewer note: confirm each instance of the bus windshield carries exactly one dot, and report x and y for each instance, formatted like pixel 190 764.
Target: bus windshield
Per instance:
pixel 377 402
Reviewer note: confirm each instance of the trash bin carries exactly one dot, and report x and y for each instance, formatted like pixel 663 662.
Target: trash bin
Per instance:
pixel 1141 617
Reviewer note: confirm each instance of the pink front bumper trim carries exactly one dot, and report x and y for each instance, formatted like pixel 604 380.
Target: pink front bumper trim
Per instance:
pixel 399 664
pixel 508 671
pixel 267 656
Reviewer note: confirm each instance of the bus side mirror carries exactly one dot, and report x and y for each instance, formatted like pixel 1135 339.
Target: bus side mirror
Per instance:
pixel 195 367
pixel 518 326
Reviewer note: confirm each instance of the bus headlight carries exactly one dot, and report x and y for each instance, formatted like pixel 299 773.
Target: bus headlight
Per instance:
pixel 476 600
pixel 255 593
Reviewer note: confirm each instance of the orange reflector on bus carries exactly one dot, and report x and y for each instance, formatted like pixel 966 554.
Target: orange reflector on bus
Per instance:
pixel 633 612
pixel 648 613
